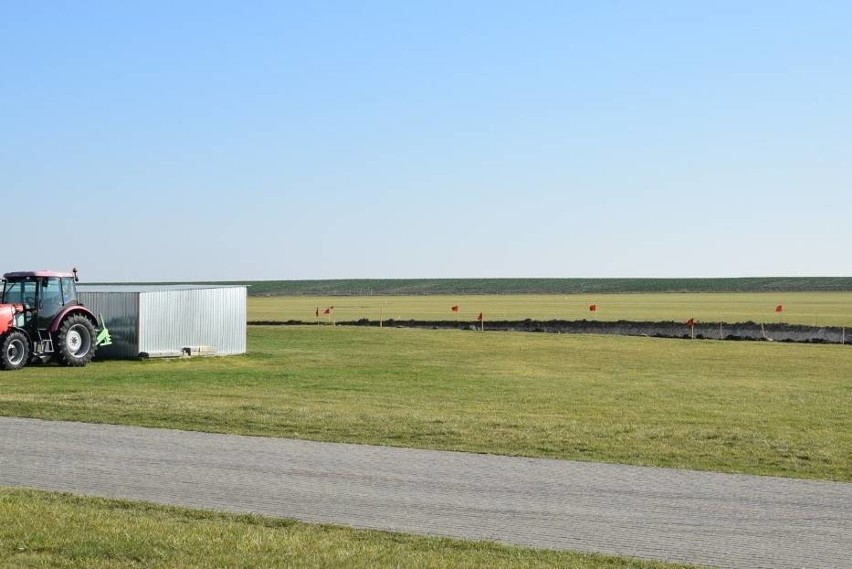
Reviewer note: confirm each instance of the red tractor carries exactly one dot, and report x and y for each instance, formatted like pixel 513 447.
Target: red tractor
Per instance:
pixel 41 319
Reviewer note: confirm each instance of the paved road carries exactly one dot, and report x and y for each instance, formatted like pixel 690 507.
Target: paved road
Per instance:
pixel 695 517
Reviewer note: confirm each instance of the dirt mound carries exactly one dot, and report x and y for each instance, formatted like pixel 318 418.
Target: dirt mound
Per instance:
pixel 703 330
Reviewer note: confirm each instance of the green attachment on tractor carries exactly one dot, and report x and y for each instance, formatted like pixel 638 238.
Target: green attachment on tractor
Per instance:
pixel 103 339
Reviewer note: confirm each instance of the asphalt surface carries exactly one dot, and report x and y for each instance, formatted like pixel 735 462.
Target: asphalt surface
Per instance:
pixel 676 515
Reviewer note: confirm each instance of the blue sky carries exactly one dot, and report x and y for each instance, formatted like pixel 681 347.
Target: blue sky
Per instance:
pixel 281 140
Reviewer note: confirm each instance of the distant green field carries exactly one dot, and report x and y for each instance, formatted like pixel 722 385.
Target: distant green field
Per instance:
pixel 755 407
pixel 367 287
pixel 810 308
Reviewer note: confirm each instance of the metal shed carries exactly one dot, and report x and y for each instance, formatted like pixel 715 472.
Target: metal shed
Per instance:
pixel 169 320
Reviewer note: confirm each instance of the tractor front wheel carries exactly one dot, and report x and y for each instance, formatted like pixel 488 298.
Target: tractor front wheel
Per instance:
pixel 75 341
pixel 14 350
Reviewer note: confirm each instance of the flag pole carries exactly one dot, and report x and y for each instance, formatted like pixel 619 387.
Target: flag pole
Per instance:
pixel 381 314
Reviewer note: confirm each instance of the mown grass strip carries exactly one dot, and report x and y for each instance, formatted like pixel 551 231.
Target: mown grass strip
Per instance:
pixel 812 308
pixel 759 408
pixel 43 529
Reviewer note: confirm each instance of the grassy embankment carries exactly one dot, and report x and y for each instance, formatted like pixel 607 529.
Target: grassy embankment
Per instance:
pixel 419 287
pixel 759 408
pixel 55 530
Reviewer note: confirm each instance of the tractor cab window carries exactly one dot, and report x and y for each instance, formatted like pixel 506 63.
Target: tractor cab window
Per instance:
pixel 20 292
pixel 51 296
pixel 69 290
pixel 12 292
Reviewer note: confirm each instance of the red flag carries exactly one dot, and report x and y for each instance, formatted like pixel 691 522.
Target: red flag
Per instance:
pixel 454 308
pixel 479 318
pixel 690 322
pixel 327 310
pixel 779 308
pixel 593 307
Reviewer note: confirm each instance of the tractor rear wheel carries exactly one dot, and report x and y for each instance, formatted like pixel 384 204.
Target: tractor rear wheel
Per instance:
pixel 14 350
pixel 75 341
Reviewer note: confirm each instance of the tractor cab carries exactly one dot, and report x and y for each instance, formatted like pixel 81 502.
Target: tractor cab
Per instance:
pixel 43 296
pixel 41 319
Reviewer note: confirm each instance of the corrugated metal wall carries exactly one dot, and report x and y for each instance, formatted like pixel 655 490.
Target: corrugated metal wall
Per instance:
pixel 172 319
pixel 121 313
pixel 161 321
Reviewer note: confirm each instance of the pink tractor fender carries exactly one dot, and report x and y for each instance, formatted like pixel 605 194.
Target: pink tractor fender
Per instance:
pixel 73 309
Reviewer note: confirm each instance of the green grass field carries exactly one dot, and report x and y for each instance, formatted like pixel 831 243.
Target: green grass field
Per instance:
pixel 760 408
pixel 41 529
pixel 810 308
